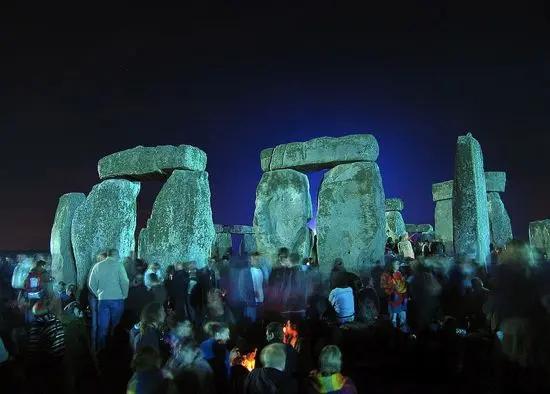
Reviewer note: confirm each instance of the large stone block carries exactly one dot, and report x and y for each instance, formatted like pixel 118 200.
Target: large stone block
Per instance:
pixel 442 191
pixel 539 236
pixel 219 228
pixel 443 218
pixel 248 244
pixel 471 232
pixel 180 227
pixel 222 245
pixel 107 219
pixel 283 209
pixel 156 162
pixel 394 204
pixel 350 219
pixel 320 153
pixel 495 181
pixel 395 225
pixel 61 247
pixel 499 221
pixel 239 229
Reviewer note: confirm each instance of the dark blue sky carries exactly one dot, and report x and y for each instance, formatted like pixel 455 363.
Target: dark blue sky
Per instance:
pixel 235 79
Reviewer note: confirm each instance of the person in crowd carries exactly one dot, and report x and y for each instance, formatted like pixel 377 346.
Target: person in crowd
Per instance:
pixel 329 379
pixel 343 302
pixel 70 294
pixel 238 372
pixel 148 377
pixel 178 292
pixel 405 248
pixel 217 310
pixel 425 291
pixel 390 246
pixel 93 305
pixel 109 283
pixel 189 370
pixel 251 287
pixel 367 303
pixel 149 330
pixel 395 288
pixel 182 331
pixel 271 378
pixel 138 297
pixel 274 333
pixel 45 347
pixel 216 353
pixel 295 289
pixel 36 281
pixel 157 289
pixel 153 269
pixel 476 297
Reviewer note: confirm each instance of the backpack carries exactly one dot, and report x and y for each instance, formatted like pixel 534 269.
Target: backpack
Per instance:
pixel 33 285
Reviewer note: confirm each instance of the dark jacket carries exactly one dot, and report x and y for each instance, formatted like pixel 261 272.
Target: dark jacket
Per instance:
pixel 269 381
pixel 159 294
pixel 138 297
pixel 178 294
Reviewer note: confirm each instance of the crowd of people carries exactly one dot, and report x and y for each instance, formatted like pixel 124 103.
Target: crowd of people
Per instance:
pixel 252 325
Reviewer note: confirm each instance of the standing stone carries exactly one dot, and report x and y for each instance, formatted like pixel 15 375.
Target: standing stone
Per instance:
pixel 471 232
pixel 395 225
pixel 222 245
pixel 248 244
pixel 61 247
pixel 180 228
pixel 283 209
pixel 539 236
pixel 350 219
pixel 499 221
pixel 443 216
pixel 107 219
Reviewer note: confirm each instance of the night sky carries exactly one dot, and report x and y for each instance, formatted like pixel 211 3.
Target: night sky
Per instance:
pixel 238 78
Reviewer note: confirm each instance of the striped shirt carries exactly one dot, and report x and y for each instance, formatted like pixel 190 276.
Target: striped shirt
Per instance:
pixel 46 339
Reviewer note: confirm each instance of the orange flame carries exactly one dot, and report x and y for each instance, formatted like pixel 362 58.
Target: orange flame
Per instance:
pixel 291 334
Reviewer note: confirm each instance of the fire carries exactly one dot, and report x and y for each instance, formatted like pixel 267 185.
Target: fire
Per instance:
pixel 291 334
pixel 249 360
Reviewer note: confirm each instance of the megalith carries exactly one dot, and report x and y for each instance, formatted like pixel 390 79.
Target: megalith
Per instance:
pixel 539 236
pixel 471 232
pixel 158 162
pixel 499 221
pixel 180 228
pixel 106 220
pixel 443 216
pixel 248 244
pixel 350 218
pixel 61 247
pixel 222 245
pixel 395 225
pixel 283 209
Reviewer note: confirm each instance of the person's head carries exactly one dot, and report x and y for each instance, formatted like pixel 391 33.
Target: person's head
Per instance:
pixel 113 253
pixel 40 265
pixel 330 360
pixel 154 279
pixel 186 352
pixel 184 329
pixel 170 270
pixel 338 264
pixel 283 257
pixel 254 259
pixel 71 290
pixel 192 266
pixel 389 240
pixel 138 280
pixel 153 314
pixel 392 265
pixel 274 356
pixel 61 287
pixel 217 331
pixel 155 267
pixel 274 332
pixel 179 266
pixel 146 359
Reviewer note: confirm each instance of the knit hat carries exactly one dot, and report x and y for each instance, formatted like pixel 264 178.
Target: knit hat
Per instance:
pixel 40 308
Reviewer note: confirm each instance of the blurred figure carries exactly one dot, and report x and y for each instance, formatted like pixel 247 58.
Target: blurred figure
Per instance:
pixel 148 332
pixel 214 350
pixel 153 269
pixel 138 297
pixel 148 377
pixel 157 289
pixel 405 248
pixel 395 288
pixel 271 378
pixel 328 378
pixel 274 333
pixel 178 292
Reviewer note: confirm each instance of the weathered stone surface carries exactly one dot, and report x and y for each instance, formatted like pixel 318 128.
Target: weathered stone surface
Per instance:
pixel 239 229
pixel 222 245
pixel 442 191
pixel 499 221
pixel 248 244
pixel 61 247
pixel 394 204
pixel 320 153
pixel 219 228
pixel 350 218
pixel 151 162
pixel 471 233
pixel 418 228
pixel 107 219
pixel 444 224
pixel 495 181
pixel 539 236
pixel 180 227
pixel 283 209
pixel 395 225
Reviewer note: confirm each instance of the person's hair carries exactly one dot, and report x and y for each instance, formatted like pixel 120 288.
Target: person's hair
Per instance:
pixel 40 263
pixel 170 270
pixel 71 287
pixel 274 356
pixel 154 278
pixel 276 329
pixel 214 328
pixel 179 266
pixel 150 315
pixel 145 359
pixel 330 360
pixel 283 253
pixel 112 253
